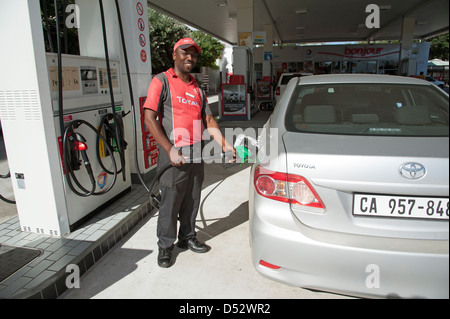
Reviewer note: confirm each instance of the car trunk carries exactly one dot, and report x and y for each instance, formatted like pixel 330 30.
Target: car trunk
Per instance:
pixel 359 180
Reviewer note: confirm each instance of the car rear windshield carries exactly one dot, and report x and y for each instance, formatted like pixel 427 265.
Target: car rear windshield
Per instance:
pixel 369 109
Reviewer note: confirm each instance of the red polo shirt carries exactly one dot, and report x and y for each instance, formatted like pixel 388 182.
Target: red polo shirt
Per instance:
pixel 180 105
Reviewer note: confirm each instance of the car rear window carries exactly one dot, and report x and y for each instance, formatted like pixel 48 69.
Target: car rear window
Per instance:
pixel 369 109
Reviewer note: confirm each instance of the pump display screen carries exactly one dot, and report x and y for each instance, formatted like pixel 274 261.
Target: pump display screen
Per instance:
pixel 89 79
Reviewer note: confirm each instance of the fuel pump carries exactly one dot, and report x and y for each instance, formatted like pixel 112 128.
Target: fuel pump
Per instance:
pixel 54 192
pixel 75 144
pixel 91 121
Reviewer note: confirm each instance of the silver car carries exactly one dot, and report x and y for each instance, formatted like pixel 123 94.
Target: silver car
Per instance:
pixel 352 197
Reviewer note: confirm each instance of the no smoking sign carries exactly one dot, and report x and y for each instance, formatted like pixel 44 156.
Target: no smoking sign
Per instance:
pixel 140 8
pixel 141 24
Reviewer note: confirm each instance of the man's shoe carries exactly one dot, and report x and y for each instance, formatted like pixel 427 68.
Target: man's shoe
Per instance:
pixel 165 257
pixel 194 245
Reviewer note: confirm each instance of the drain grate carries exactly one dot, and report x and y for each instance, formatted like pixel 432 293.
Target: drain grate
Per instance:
pixel 14 258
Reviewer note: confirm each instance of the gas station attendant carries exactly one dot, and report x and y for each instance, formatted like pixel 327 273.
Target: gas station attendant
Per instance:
pixel 176 111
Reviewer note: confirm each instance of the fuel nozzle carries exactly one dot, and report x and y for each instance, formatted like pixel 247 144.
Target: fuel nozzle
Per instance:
pixel 246 147
pixel 78 143
pixel 243 152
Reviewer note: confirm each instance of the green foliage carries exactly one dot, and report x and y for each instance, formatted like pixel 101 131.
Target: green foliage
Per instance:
pixel 166 31
pixel 211 48
pixel 439 47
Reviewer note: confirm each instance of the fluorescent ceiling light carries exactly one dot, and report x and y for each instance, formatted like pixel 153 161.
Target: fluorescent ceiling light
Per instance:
pixel 301 11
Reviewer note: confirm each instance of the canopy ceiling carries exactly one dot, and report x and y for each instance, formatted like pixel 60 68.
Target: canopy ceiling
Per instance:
pixel 324 20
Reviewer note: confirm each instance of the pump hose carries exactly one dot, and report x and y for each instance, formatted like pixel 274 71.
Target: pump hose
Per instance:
pixel 68 162
pixel 130 86
pixel 111 93
pixel 9 201
pixel 8 175
pixel 154 198
pixel 60 84
pixel 104 127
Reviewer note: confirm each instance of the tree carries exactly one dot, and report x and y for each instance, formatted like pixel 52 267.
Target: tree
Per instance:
pixel 439 47
pixel 211 48
pixel 164 32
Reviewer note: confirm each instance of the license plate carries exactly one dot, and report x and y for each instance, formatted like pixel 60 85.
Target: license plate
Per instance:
pixel 399 206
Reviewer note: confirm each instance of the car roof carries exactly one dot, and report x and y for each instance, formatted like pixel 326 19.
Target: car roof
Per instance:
pixel 295 73
pixel 360 78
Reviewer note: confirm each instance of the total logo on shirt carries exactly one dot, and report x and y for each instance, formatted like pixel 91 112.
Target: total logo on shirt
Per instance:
pixel 183 100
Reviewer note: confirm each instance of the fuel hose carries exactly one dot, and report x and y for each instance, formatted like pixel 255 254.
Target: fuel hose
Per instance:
pixel 130 89
pixel 108 131
pixel 111 93
pixel 154 199
pixel 9 201
pixel 69 160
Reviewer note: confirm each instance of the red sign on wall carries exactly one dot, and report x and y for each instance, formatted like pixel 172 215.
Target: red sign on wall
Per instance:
pixel 148 142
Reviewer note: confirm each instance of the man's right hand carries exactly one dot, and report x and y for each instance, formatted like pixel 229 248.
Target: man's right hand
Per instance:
pixel 176 158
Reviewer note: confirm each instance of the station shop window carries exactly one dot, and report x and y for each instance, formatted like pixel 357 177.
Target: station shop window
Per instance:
pixel 360 67
pixel 388 67
pixel 327 67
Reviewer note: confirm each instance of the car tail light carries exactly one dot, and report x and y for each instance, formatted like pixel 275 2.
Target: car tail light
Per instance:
pixel 277 90
pixel 287 188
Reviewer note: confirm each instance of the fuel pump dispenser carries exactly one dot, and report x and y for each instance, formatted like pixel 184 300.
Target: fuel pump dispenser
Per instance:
pixel 63 116
pixel 101 93
pixel 243 64
pixel 238 94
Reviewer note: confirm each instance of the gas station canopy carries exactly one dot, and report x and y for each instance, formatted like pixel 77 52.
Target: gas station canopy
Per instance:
pixel 307 21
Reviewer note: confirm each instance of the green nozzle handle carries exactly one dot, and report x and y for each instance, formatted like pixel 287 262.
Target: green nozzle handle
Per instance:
pixel 243 152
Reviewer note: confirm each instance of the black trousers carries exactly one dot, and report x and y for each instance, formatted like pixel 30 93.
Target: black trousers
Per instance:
pixel 180 189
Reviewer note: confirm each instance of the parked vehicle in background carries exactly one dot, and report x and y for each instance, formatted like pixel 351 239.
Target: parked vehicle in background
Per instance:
pixel 435 82
pixel 284 80
pixel 354 196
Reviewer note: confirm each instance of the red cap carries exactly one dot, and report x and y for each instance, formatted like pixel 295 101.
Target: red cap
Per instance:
pixel 186 43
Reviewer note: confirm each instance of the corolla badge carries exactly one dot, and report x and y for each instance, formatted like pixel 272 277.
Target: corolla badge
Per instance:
pixel 412 170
